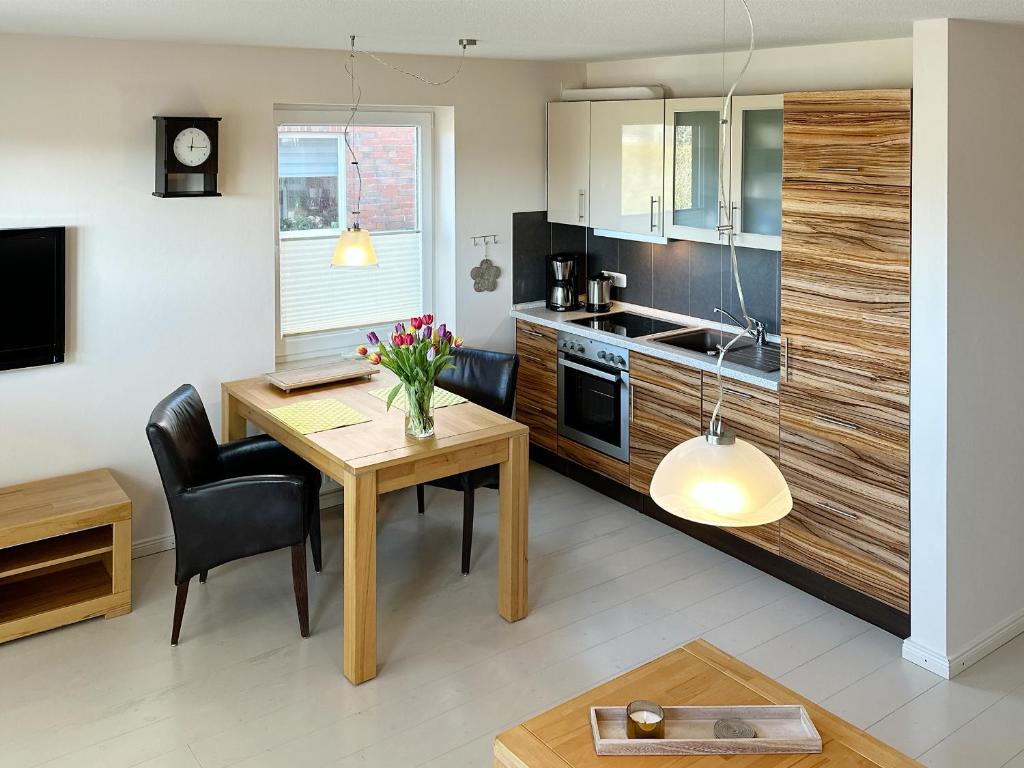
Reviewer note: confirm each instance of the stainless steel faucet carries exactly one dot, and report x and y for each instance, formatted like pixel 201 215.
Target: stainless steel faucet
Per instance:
pixel 757 330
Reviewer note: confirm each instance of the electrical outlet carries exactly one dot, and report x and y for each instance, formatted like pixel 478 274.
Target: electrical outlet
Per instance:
pixel 618 278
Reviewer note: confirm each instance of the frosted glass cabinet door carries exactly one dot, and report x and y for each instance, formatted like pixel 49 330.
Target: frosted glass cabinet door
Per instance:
pixel 626 155
pixel 692 191
pixel 757 171
pixel 569 162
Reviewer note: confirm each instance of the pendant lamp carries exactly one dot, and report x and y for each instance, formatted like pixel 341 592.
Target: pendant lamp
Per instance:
pixel 717 479
pixel 354 248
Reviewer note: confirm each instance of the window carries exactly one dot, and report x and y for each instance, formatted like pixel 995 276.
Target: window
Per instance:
pixel 324 310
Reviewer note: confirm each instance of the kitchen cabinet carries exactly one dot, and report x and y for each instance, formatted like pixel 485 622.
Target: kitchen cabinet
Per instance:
pixel 626 157
pixel 693 195
pixel 537 387
pixel 751 412
pixel 845 322
pixel 848 137
pixel 665 402
pixel 569 162
pixel 756 178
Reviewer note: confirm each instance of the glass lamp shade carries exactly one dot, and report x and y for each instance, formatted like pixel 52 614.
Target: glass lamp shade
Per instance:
pixel 354 249
pixel 729 485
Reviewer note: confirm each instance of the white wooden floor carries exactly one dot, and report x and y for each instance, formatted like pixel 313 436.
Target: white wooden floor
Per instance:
pixel 609 589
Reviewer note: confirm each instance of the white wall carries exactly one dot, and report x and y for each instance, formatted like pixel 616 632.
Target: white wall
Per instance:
pixel 967 421
pixel 870 64
pixel 167 291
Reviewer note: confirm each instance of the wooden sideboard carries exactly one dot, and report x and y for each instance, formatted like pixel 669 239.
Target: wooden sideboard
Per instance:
pixel 65 552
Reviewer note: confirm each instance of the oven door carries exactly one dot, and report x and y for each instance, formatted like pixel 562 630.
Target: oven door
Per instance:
pixel 593 406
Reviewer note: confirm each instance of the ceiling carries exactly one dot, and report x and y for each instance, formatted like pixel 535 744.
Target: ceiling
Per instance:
pixel 520 29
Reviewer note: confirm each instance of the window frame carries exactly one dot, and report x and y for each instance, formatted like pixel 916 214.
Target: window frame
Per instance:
pixel 343 340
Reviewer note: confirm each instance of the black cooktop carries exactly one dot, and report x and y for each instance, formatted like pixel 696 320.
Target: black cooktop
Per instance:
pixel 627 324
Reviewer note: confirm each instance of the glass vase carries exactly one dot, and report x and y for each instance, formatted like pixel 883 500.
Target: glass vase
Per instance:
pixel 419 410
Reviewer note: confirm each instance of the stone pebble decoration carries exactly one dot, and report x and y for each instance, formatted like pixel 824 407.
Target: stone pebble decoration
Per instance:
pixel 485 276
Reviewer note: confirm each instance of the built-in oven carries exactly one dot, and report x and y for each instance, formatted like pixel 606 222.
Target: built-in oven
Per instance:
pixel 593 394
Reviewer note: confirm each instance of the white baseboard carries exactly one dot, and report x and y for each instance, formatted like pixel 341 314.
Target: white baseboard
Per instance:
pixel 331 497
pixel 152 546
pixel 951 666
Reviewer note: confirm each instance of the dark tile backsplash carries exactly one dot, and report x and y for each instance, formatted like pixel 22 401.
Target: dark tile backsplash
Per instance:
pixel 681 276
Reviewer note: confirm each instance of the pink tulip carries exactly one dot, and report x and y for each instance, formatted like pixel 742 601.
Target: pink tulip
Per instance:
pixel 428 319
pixel 361 350
pixel 410 339
pixel 416 323
pixel 398 339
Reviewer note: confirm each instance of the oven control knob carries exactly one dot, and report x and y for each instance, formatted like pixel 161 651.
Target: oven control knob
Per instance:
pixel 619 360
pixel 578 348
pixel 602 355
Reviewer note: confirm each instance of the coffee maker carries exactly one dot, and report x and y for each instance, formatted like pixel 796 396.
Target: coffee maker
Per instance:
pixel 562 269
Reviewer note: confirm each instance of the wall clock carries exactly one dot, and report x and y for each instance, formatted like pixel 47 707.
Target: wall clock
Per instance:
pixel 186 156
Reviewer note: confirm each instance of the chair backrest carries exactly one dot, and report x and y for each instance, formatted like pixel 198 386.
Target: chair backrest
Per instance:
pixel 485 378
pixel 182 440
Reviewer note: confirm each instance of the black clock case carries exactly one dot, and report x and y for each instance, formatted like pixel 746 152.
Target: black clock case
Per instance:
pixel 167 128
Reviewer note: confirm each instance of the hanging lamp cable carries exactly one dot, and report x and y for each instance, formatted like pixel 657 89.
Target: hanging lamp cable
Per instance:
pixel 715 424
pixel 464 44
pixel 357 97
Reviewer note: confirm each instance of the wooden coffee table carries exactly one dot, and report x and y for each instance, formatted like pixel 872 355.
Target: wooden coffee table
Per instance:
pixel 697 673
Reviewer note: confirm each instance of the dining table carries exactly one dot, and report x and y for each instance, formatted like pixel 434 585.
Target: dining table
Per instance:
pixel 377 456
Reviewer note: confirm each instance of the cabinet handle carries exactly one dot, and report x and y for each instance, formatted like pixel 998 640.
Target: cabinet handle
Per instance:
pixel 837 511
pixel 744 395
pixel 532 359
pixel 837 422
pixel 785 359
pixel 528 332
pixel 655 205
pixel 582 204
pixel 837 169
pixel 630 403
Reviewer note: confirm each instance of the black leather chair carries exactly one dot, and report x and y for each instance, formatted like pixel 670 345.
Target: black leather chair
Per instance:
pixel 231 501
pixel 487 379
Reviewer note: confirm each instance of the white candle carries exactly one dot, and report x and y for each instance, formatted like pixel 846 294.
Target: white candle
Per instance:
pixel 643 717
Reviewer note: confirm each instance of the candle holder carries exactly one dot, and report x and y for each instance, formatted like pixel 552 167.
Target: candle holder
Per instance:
pixel 645 720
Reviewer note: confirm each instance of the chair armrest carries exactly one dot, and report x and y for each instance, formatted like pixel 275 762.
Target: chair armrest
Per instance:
pixel 223 521
pixel 259 455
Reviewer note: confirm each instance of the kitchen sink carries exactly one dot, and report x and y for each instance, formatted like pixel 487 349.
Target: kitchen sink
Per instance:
pixel 706 341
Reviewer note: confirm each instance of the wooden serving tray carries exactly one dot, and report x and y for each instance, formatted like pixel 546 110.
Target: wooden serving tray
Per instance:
pixel 781 729
pixel 299 378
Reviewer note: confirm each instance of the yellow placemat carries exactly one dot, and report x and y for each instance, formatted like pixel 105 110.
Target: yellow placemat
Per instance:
pixel 442 397
pixel 309 416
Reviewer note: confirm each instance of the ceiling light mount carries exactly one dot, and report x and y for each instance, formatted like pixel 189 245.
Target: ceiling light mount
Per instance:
pixel 467 42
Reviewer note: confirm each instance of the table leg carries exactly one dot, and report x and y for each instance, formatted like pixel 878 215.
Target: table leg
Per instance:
pixel 232 424
pixel 360 574
pixel 512 530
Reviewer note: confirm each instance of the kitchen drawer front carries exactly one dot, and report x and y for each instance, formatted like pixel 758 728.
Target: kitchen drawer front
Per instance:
pixel 660 419
pixel 749 411
pixel 672 376
pixel 879 429
pixel 594 460
pixel 846 287
pixel 537 403
pixel 753 414
pixel 854 137
pixel 537 345
pixel 851 515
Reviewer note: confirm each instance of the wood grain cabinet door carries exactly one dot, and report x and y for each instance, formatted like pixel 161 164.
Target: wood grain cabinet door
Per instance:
pixel 846 288
pixel 664 412
pixel 849 476
pixel 537 387
pixel 753 414
pixel 852 137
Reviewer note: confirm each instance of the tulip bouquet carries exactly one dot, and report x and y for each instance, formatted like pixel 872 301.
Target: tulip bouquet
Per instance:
pixel 416 353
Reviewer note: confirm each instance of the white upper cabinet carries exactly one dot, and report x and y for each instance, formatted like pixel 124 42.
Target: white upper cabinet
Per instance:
pixel 569 162
pixel 626 157
pixel 694 196
pixel 757 171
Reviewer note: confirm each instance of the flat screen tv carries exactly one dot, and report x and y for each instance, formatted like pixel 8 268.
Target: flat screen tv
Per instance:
pixel 31 297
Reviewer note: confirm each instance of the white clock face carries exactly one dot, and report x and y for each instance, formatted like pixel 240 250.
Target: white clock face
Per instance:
pixel 192 147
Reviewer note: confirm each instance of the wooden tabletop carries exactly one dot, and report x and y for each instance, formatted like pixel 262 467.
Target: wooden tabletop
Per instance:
pixel 58 504
pixel 696 674
pixel 382 440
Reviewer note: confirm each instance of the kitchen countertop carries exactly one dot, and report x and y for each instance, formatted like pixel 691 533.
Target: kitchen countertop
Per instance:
pixel 648 345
